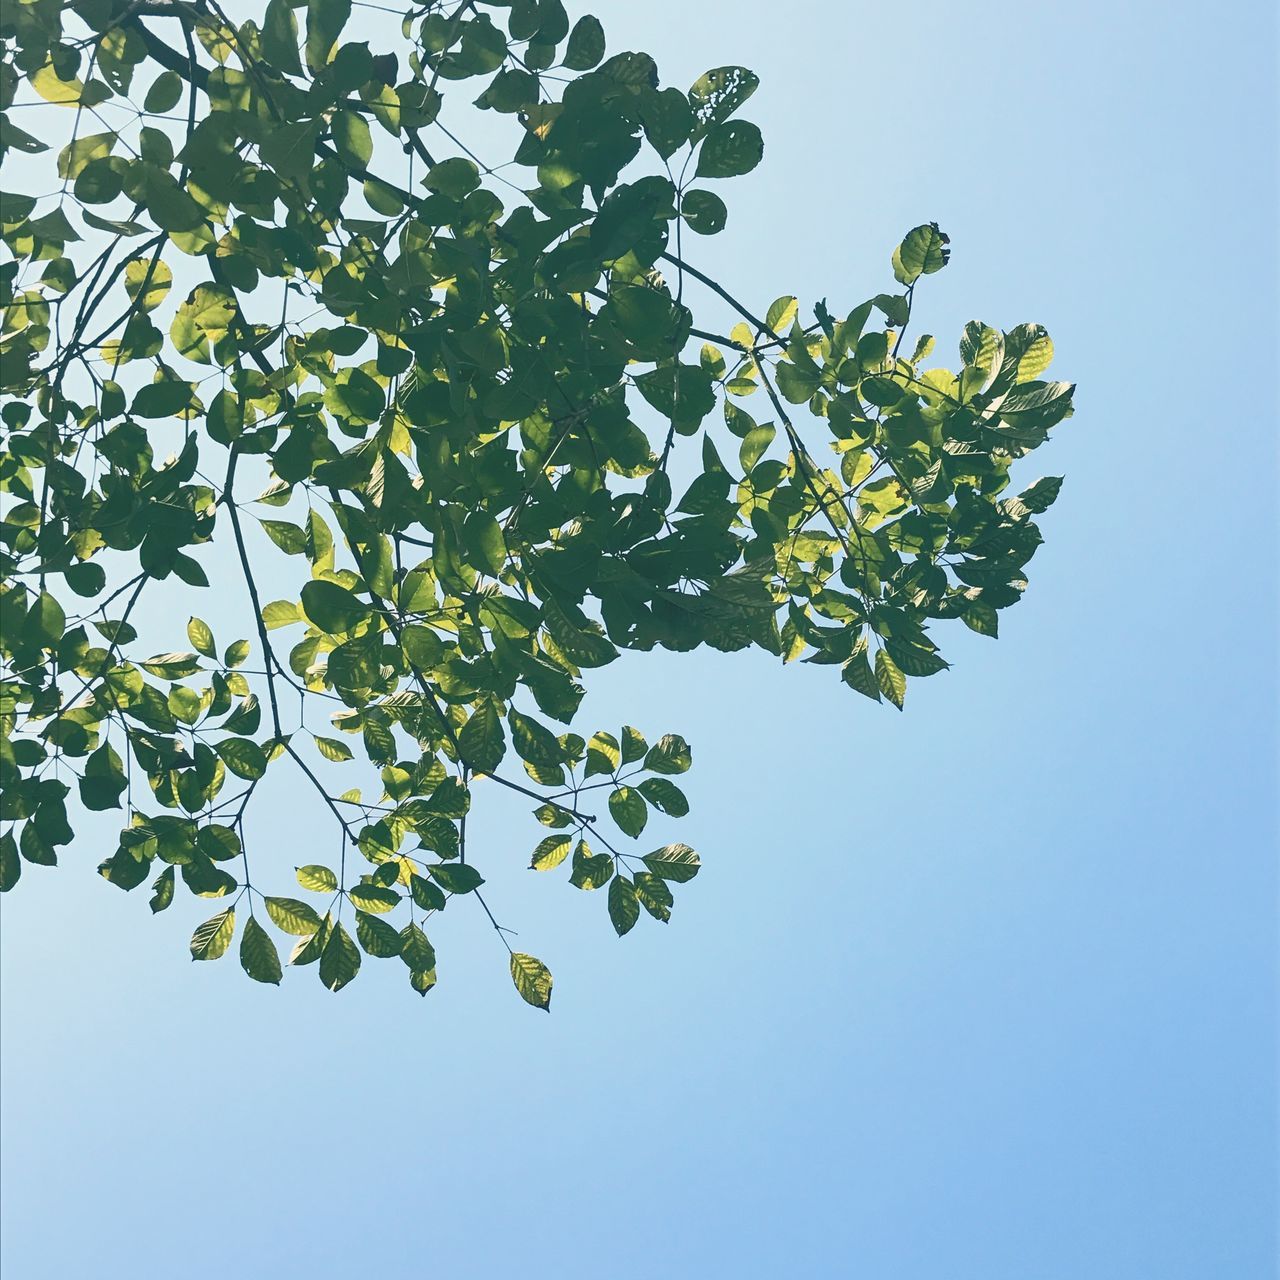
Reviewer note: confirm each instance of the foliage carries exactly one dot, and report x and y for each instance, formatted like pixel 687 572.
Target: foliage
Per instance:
pixel 465 394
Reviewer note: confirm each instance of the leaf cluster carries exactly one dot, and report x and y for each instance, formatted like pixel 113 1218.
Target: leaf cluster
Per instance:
pixel 487 435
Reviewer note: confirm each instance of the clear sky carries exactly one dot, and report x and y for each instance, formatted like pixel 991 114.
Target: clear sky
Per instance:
pixel 986 990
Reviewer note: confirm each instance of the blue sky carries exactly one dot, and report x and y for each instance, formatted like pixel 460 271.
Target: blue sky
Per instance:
pixel 984 990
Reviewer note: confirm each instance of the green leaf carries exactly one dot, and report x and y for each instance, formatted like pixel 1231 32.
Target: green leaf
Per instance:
pixel 292 916
pixel 339 961
pixel 162 890
pixel 332 748
pixel 1041 495
pixel 703 211
pixel 586 44
pixel 165 92
pixel 422 980
pixel 590 871
pixel 456 178
pixel 670 754
pixel 456 877
pixel 317 878
pixel 288 537
pixel 603 754
pixel 374 897
pixel 10 862
pixel 633 745
pixel 781 314
pixel 416 949
pixel 309 950
pixel 243 757
pixel 718 93
pixel 280 37
pixel 654 895
pixel 425 894
pixel 533 742
pixel 982 618
pixel 352 138
pixel 681 393
pixel 624 906
pixel 914 661
pixel 482 536
pixel 893 684
pixel 628 810
pixel 857 674
pixel 675 862
pixel 729 150
pixel 532 979
pixel 922 252
pixel 377 937
pixel 481 741
pixel 355 397
pixel 325 21
pixel 201 638
pixel 332 608
pixel 550 853
pixel 280 613
pixel 46 622
pixel 258 955
pixel 211 939
pixel 665 796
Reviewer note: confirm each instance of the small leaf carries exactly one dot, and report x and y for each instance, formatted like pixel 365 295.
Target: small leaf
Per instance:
pixel 340 960
pixel 624 906
pixel 377 937
pixel 162 887
pixel 456 877
pixel 893 684
pixel 654 895
pixel 243 757
pixel 628 810
pixel 332 608
pixel 532 979
pixel 922 252
pixel 586 44
pixel 258 955
pixel 201 638
pixel 670 754
pixel 416 949
pixel 280 613
pixel 551 852
pixel 317 878
pixel 373 897
pixel 703 211
pixel 675 862
pixel 482 536
pixel 425 894
pixel 603 754
pixel 308 950
pixel 164 93
pixel 481 741
pixel 292 916
pixel 211 939
pixel 10 862
pixel 730 149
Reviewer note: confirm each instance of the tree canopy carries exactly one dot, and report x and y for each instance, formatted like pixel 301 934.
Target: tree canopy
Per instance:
pixel 269 301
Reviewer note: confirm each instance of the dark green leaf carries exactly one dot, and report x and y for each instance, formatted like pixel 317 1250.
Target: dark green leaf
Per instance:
pixel 258 955
pixel 624 906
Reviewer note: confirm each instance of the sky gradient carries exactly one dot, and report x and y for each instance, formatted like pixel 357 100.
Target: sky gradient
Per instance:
pixel 987 989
